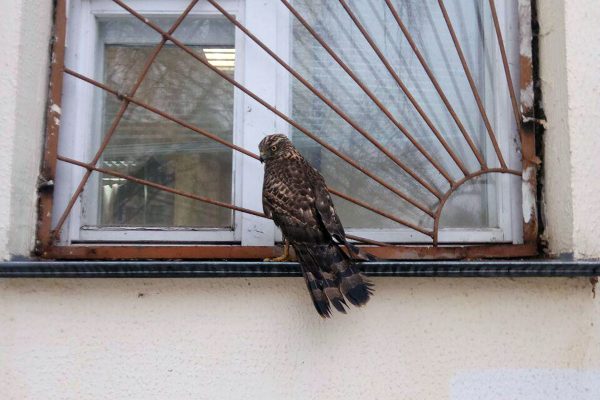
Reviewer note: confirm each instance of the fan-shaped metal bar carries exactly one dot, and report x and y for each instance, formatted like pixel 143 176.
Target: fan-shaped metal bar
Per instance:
pixel 439 89
pixel 405 89
pixel 275 111
pixel 335 108
pixel 113 127
pixel 375 100
pixel 231 145
pixel 467 70
pixel 378 102
pixel 127 99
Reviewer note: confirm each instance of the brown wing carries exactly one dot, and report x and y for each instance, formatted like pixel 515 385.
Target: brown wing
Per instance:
pixel 324 206
pixel 329 218
pixel 288 198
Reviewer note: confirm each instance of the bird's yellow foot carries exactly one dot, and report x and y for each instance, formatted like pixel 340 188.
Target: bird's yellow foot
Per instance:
pixel 282 258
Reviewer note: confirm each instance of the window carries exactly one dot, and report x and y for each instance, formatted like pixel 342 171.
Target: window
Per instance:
pixel 374 93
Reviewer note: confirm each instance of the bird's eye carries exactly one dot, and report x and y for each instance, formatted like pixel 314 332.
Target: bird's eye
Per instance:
pixel 273 148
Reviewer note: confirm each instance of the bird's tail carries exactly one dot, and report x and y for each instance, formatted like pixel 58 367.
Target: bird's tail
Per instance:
pixel 330 276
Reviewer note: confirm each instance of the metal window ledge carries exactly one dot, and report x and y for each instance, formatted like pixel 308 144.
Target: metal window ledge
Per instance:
pixel 208 269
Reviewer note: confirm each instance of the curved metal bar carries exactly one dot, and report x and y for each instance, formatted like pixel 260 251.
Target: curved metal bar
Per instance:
pixel 275 111
pixel 113 127
pixel 438 213
pixel 330 104
pixel 378 102
pixel 212 136
pixel 469 75
pixel 402 86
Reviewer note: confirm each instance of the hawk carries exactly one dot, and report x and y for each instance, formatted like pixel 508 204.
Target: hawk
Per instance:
pixel 296 198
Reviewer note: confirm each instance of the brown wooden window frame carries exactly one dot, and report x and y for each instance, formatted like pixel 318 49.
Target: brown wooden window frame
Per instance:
pixel 48 247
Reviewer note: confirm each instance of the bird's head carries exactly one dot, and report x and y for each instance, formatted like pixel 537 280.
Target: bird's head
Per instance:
pixel 275 146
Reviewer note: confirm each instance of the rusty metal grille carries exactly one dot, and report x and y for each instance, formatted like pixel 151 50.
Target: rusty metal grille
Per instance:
pixel 49 234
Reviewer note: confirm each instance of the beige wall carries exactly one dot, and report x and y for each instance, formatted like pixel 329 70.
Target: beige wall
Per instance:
pixel 24 51
pixel 260 338
pixel 257 338
pixel 570 53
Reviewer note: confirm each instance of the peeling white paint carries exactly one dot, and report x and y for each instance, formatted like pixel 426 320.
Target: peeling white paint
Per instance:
pixel 527 97
pixel 525 28
pixel 529 202
pixel 55 108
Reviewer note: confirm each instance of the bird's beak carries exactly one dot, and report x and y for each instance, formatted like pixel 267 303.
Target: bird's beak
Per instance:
pixel 261 158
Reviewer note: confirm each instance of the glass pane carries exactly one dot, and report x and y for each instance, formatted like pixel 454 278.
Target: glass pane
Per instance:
pixel 426 24
pixel 151 147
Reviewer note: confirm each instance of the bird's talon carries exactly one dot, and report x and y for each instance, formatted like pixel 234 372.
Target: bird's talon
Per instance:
pixel 281 258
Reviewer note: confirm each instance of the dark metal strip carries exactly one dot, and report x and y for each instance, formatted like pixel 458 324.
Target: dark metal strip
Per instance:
pixel 210 269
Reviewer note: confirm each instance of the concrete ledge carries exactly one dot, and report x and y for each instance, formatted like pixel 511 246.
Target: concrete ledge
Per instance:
pixel 208 269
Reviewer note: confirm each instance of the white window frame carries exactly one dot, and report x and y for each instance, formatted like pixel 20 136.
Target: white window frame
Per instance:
pixel 257 71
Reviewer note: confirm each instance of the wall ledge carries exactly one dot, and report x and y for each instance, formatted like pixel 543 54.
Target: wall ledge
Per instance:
pixel 215 269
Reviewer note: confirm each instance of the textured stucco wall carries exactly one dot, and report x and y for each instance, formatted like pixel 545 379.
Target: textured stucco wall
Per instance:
pixel 558 209
pixel 24 53
pixel 569 55
pixel 583 77
pixel 261 339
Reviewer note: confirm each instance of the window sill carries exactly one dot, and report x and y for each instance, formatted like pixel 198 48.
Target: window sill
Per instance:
pixel 208 269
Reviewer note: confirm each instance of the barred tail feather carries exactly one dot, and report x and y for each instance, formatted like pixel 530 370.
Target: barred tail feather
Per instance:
pixel 321 285
pixel 330 276
pixel 355 286
pixel 318 296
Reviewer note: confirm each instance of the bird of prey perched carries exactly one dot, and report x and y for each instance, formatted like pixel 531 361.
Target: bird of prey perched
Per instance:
pixel 296 198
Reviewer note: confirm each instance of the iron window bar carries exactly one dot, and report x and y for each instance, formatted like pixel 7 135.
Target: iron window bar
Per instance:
pixel 343 115
pixel 166 36
pixel 274 110
pixel 212 137
pixel 402 86
pixel 377 102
